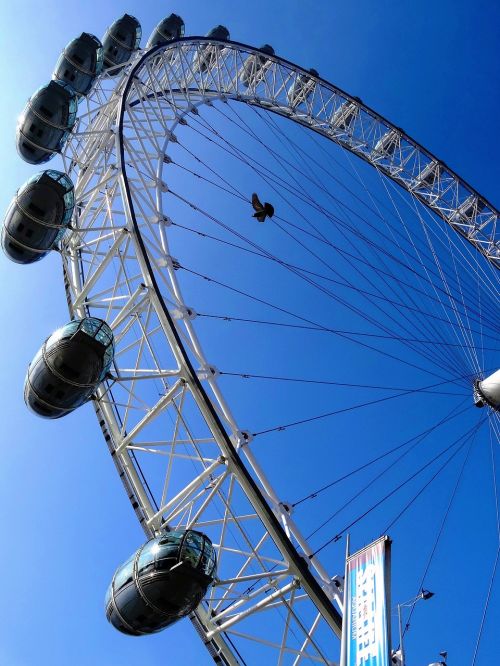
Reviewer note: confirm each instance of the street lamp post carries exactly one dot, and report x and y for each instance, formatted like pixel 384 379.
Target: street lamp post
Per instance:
pixel 425 595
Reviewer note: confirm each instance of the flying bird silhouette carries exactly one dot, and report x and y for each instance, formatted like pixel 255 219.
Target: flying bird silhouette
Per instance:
pixel 261 211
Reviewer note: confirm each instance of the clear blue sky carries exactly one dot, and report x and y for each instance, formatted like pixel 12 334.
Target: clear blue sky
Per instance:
pixel 66 522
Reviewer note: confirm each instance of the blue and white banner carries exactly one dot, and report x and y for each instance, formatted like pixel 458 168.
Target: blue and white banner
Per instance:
pixel 366 612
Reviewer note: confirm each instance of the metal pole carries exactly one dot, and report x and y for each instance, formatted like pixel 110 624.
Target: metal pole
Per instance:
pixel 345 622
pixel 401 649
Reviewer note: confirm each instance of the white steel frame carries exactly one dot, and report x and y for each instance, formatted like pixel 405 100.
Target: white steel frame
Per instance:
pixel 162 413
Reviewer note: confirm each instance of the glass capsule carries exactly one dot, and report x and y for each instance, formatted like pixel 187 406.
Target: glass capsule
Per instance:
pixel 121 39
pixel 161 582
pixel 254 68
pixel 38 216
pixel 205 56
pixel 171 27
pixel 46 122
pixel 80 63
pixel 69 367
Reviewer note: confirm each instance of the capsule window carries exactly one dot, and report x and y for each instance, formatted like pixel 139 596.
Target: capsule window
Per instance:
pixel 69 197
pixel 171 537
pixel 35 209
pixel 192 549
pixel 29 233
pixel 208 559
pixel 167 556
pixel 46 111
pixel 20 226
pixel 125 573
pixel 73 108
pixel 146 561
pixel 58 237
pixel 107 599
pixel 69 371
pixel 205 563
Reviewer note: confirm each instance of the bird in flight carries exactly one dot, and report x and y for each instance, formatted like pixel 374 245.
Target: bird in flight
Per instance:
pixel 261 210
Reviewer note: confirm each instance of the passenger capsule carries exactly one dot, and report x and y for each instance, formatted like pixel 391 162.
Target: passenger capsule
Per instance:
pixel 38 217
pixel 205 57
pixel 471 207
pixel 162 582
pixel 79 63
pixel 69 367
pixel 121 39
pixel 344 117
pixel 387 143
pixel 256 66
pixel 302 88
pixel 46 121
pixel 219 32
pixel 172 27
pixel 429 175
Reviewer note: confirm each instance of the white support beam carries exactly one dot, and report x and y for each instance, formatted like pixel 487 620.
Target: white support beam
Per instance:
pixel 249 596
pixel 89 284
pixel 152 414
pixel 259 576
pixel 187 491
pixel 255 609
pixel 195 518
pixel 130 306
pixel 146 375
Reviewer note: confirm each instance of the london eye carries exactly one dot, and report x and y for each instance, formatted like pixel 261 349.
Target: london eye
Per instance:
pixel 283 311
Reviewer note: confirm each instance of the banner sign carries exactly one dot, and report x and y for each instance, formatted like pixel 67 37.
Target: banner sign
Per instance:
pixel 367 607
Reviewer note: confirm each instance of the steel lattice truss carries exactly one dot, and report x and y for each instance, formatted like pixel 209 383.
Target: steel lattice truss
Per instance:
pixel 179 452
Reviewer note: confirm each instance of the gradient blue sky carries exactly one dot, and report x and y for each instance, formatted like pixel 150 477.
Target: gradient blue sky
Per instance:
pixel 66 523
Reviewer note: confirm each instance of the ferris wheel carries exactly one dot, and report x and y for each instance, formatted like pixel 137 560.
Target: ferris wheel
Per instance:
pixel 223 547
